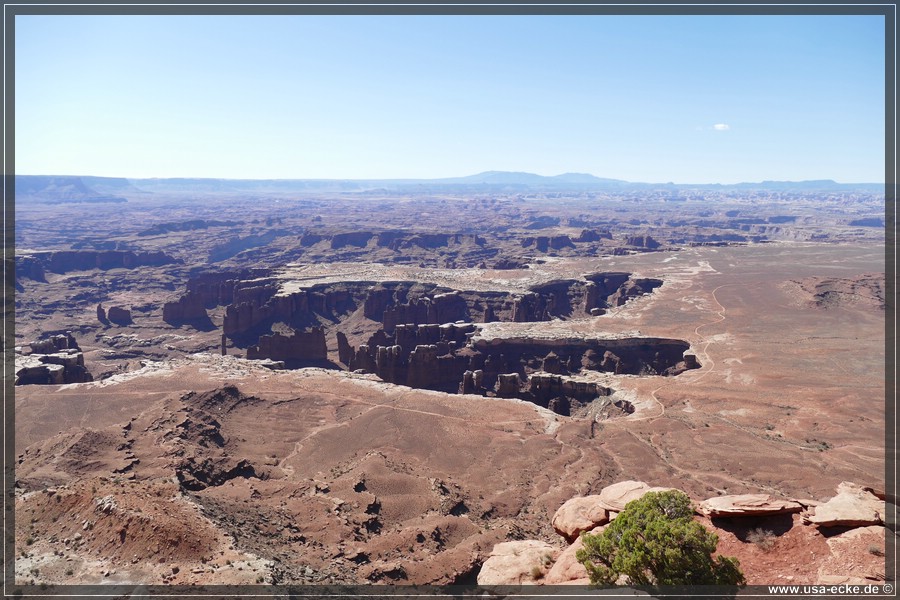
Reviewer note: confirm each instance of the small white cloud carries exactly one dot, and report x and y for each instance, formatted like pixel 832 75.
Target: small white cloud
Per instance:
pixel 721 127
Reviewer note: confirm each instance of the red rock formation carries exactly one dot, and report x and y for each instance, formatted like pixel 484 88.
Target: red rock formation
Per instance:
pixel 84 260
pixel 189 307
pixel 345 350
pixel 508 385
pixel 299 347
pixel 56 343
pixel 632 289
pixel 591 235
pixel 440 308
pixel 354 238
pixel 853 506
pixel 543 243
pixel 642 241
pixel 310 239
pixel 56 360
pixel 378 298
pixel 432 367
pixel 30 267
pixel 545 387
pixel 118 315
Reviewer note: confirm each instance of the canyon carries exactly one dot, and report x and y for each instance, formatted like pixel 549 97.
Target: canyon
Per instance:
pixel 374 384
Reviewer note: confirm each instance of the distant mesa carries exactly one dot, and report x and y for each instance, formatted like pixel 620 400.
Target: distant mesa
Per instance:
pixel 192 225
pixel 34 265
pixel 544 243
pixel 642 241
pixel 591 235
pixel 868 222
pixel 60 189
pixel 57 190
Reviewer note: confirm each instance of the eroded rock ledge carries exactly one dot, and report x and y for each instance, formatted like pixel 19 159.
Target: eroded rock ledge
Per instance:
pixel 256 299
pixel 426 335
pixel 451 358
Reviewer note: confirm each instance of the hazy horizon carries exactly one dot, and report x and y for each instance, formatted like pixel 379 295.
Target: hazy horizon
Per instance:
pixel 549 176
pixel 683 99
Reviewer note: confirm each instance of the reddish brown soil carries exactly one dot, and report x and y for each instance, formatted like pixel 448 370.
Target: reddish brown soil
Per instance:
pixel 314 476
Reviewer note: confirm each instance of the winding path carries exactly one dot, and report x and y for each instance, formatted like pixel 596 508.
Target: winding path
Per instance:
pixel 707 360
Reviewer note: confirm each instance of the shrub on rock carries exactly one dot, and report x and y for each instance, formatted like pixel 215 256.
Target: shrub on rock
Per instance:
pixel 655 541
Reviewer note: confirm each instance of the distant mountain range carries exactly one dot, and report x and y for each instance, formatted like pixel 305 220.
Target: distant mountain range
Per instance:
pixel 64 188
pixel 520 178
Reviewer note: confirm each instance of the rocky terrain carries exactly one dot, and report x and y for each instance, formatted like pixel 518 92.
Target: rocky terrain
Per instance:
pixel 841 539
pixel 357 385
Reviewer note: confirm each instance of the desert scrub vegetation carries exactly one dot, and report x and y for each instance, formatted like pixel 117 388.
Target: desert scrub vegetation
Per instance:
pixel 655 541
pixel 764 539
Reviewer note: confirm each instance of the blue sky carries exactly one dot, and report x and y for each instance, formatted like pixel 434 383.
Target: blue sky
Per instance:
pixel 628 97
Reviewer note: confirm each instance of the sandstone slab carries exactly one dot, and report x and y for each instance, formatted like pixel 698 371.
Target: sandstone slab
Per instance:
pixel 615 497
pixel 517 563
pixel 747 505
pixel 852 507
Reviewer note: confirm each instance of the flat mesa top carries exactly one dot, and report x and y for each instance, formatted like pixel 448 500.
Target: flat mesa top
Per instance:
pixel 296 277
pixel 556 332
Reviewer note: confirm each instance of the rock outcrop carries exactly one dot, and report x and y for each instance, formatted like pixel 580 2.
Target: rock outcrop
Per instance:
pixel 642 241
pixel 56 360
pixel 579 514
pixel 440 308
pixel 425 338
pixel 191 225
pixel 632 289
pixel 544 243
pixel 345 350
pixel 188 308
pixel 614 498
pixel 747 505
pixel 517 563
pixel 451 358
pixel 259 301
pixel 591 235
pixel 853 506
pixel 118 315
pixel 64 261
pixel 30 267
pixel 567 569
pixel 354 238
pixel 56 343
pixel 301 346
